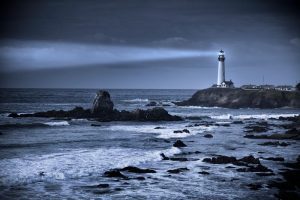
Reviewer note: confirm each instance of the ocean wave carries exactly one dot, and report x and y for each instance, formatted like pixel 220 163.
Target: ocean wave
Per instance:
pixel 74 164
pixel 200 107
pixel 251 116
pixel 165 133
pixel 135 100
pixel 35 125
pixel 60 123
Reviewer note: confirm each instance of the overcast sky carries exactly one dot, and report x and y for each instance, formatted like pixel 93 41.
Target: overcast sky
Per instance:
pixel 148 44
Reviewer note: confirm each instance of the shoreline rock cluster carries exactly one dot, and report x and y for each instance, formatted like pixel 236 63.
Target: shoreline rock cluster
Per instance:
pixel 240 98
pixel 103 110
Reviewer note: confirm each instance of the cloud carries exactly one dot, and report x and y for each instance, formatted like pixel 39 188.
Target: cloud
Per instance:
pixel 295 42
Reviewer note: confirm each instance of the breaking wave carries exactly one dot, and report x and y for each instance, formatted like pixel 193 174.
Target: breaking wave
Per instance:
pixel 74 164
pixel 136 100
pixel 34 125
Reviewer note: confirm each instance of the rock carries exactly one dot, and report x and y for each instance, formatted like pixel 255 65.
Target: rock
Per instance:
pixel 102 103
pixel 159 127
pixel 253 186
pixel 208 135
pixel 256 129
pixel 276 136
pixel 96 125
pixel 250 160
pixel 13 115
pixel 239 98
pixel 277 143
pixel 179 144
pixel 164 157
pixel 257 168
pixel 204 172
pixel 179 159
pixel 140 178
pixel 177 171
pixel 220 160
pixel 115 174
pixel 137 170
pixel 275 158
pixel 185 131
pixel 265 174
pixel 177 131
pixel 42 174
pixel 103 111
pixel 104 185
pixel 152 103
pixel 293 131
pixel 237 122
pixel 289 188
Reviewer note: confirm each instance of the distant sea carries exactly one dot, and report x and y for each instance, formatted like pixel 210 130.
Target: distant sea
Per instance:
pixel 65 159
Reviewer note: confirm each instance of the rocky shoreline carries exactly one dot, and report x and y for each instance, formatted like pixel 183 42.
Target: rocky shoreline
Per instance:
pixel 240 98
pixel 287 185
pixel 103 110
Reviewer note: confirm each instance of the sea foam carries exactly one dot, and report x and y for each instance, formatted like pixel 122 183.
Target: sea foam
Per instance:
pixel 74 164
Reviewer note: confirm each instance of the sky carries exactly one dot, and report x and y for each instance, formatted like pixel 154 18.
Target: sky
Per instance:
pixel 170 44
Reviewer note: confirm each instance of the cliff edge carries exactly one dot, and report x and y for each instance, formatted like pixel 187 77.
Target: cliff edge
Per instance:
pixel 240 98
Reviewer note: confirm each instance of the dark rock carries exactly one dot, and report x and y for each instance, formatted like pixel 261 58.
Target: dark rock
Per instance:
pixel 256 129
pixel 137 170
pixel 115 173
pixel 96 125
pixel 103 111
pixel 254 186
pixel 204 172
pixel 185 131
pixel 275 158
pixel 13 115
pixel 140 178
pixel 276 136
pixel 102 103
pixel 239 98
pixel 177 171
pixel 179 144
pixel 220 160
pixel 208 135
pixel 103 185
pixel 225 125
pixel 158 127
pixel 293 131
pixel 152 103
pixel 265 174
pixel 179 159
pixel 250 160
pixel 177 131
pixel 42 174
pixel 277 143
pixel 257 168
pixel 164 157
pixel 238 122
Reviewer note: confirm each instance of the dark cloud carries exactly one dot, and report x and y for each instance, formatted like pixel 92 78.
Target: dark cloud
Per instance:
pixel 258 36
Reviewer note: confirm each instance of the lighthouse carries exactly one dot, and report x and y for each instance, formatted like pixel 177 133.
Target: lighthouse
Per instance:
pixel 222 83
pixel 221 68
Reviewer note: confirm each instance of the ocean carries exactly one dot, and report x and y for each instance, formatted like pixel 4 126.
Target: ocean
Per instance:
pixel 43 158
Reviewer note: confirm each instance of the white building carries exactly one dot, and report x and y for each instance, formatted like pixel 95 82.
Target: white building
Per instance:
pixel 221 82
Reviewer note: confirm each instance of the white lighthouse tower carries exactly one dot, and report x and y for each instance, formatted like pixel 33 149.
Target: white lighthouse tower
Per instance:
pixel 222 83
pixel 221 68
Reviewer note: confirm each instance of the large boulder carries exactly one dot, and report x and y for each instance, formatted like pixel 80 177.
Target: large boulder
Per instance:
pixel 102 103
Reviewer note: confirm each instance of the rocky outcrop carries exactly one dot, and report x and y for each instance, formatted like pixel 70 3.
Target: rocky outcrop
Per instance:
pixel 239 98
pixel 102 103
pixel 102 110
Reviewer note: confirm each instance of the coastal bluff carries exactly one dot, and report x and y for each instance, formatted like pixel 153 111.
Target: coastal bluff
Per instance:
pixel 240 98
